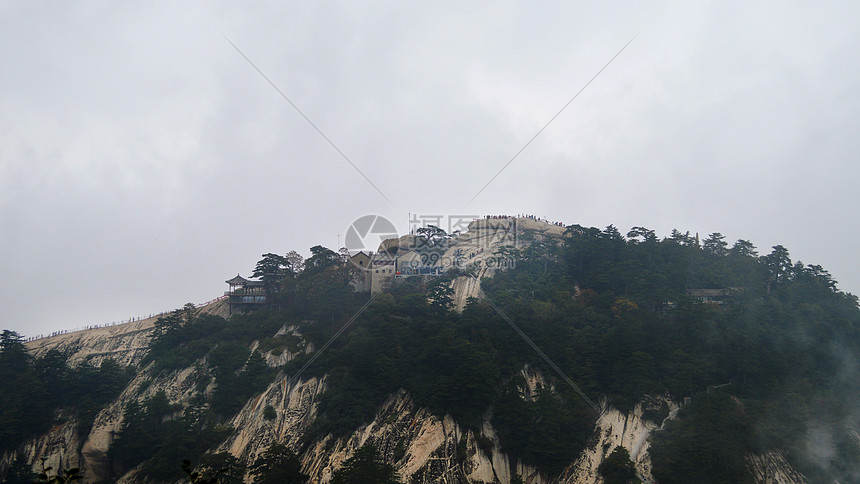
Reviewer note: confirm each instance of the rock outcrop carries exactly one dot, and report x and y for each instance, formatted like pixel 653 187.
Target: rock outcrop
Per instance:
pixel 124 343
pixel 772 468
pixel 613 429
pixel 424 447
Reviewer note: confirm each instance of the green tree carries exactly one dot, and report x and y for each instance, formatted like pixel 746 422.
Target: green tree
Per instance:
pixel 779 265
pixel 14 359
pixel 743 248
pixel 59 476
pixel 716 244
pixel 19 473
pixel 707 444
pixel 296 261
pixel 440 295
pixel 269 413
pixel 432 234
pixel 151 434
pixel 272 269
pixel 25 400
pixel 618 468
pixel 682 239
pixel 220 468
pixel 256 373
pixel 167 326
pixel 366 467
pixel 647 235
pixel 278 465
pixel 320 259
pixel 158 406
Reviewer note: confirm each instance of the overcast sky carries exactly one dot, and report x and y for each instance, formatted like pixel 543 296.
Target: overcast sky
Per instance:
pixel 143 161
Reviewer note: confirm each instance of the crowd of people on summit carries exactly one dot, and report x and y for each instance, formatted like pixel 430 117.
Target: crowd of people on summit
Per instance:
pixel 522 215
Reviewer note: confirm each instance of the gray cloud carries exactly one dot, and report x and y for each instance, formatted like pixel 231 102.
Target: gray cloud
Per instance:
pixel 142 161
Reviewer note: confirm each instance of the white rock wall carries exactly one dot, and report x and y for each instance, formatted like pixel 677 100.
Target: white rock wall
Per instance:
pixel 772 468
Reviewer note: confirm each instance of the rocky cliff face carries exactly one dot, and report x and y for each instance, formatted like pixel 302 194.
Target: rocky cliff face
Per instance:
pixel 614 428
pixel 124 343
pixel 772 468
pixel 127 345
pixel 58 447
pixel 424 447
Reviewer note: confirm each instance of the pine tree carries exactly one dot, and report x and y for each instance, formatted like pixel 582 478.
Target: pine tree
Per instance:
pixel 367 467
pixel 278 465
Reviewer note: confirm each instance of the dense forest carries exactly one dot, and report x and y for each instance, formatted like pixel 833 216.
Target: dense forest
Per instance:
pixel 37 392
pixel 767 361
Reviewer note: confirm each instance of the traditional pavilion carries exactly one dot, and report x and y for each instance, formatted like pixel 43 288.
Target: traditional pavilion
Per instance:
pixel 244 294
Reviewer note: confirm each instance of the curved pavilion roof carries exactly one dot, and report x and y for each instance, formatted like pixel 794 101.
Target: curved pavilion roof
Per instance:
pixel 237 281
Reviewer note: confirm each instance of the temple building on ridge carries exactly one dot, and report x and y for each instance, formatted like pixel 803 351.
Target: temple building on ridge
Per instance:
pixel 244 294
